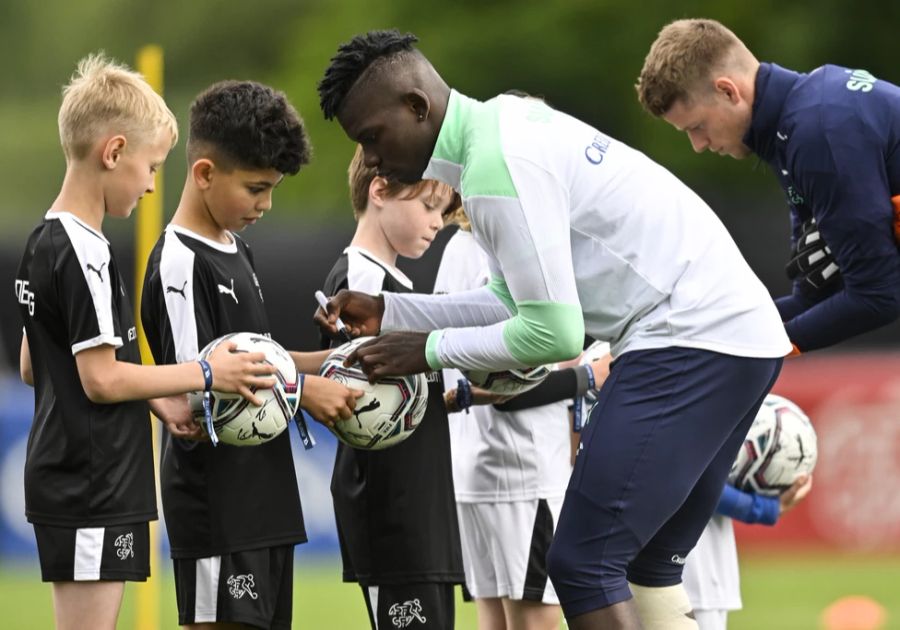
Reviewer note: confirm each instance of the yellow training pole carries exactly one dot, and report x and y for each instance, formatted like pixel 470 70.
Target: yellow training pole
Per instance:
pixel 148 227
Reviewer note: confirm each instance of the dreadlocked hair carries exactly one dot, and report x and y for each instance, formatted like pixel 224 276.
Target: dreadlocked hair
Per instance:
pixel 353 58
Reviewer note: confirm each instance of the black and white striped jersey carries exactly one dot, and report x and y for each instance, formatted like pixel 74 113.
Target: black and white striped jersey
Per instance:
pixel 395 509
pixel 87 464
pixel 225 498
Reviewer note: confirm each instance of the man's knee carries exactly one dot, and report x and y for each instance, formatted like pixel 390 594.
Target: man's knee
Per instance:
pixel 664 608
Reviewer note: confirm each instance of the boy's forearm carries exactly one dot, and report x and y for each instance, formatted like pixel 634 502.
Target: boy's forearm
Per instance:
pixel 109 381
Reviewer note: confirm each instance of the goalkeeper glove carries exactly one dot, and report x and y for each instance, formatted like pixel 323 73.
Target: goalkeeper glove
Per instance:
pixel 812 262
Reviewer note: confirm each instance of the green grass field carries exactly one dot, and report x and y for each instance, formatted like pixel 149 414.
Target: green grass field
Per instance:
pixel 780 593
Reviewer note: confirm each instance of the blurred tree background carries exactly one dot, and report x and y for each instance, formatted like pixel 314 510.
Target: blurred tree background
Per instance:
pixel 582 56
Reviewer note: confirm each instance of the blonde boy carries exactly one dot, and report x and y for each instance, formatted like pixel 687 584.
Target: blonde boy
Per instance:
pixel 89 487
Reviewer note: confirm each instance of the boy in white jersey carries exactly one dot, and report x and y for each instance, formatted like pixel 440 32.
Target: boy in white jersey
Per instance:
pixel 583 233
pixel 510 471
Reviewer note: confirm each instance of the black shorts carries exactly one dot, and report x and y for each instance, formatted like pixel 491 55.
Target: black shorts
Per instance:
pixel 249 587
pixel 426 605
pixel 89 554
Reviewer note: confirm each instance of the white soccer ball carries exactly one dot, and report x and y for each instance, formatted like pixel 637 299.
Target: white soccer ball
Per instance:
pixel 596 350
pixel 235 419
pixel 387 413
pixel 508 382
pixel 780 446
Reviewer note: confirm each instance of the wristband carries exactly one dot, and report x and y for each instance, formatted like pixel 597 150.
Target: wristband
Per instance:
pixel 207 375
pixel 592 382
pixel 207 413
pixel 306 436
pixel 463 395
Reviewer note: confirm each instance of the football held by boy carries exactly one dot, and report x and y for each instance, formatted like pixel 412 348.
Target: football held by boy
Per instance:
pixel 233 513
pixel 89 478
pixel 394 508
pixel 583 233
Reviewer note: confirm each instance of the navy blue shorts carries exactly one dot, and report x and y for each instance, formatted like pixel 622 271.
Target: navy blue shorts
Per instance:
pixel 650 469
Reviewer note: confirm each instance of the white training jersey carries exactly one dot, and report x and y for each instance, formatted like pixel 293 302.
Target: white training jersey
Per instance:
pixel 711 576
pixel 500 456
pixel 584 234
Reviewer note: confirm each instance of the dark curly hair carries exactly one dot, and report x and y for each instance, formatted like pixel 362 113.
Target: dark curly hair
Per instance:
pixel 246 124
pixel 353 58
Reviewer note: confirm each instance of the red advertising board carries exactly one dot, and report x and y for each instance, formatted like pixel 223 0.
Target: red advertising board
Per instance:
pixel 853 401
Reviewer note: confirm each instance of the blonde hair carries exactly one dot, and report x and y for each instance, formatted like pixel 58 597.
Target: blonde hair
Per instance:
pixel 460 218
pixel 685 53
pixel 360 178
pixel 104 96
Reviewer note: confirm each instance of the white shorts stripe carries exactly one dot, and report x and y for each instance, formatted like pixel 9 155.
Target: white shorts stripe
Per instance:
pixel 373 602
pixel 496 547
pixel 88 553
pixel 207 589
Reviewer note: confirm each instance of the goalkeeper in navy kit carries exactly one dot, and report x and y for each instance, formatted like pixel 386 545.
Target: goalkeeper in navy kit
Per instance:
pixel 831 138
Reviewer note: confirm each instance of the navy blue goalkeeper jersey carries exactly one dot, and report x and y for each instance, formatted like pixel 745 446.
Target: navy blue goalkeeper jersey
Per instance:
pixel 832 137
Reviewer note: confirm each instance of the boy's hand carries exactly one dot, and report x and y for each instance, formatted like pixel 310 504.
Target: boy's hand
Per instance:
pixel 175 414
pixel 328 401
pixel 238 372
pixel 479 397
pixel 600 367
pixel 795 494
pixel 392 354
pixel 360 312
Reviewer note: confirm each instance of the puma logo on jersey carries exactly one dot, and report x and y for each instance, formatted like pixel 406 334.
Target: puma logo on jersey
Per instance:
pixel 224 289
pixel 781 136
pixel 97 271
pixel 240 585
pixel 179 291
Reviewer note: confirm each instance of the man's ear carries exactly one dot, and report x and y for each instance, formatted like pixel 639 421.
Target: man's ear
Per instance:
pixel 419 103
pixel 377 190
pixel 112 151
pixel 726 87
pixel 203 171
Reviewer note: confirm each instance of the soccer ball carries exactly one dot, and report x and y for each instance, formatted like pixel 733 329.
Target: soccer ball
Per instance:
pixel 508 382
pixel 387 413
pixel 596 350
pixel 780 446
pixel 235 419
